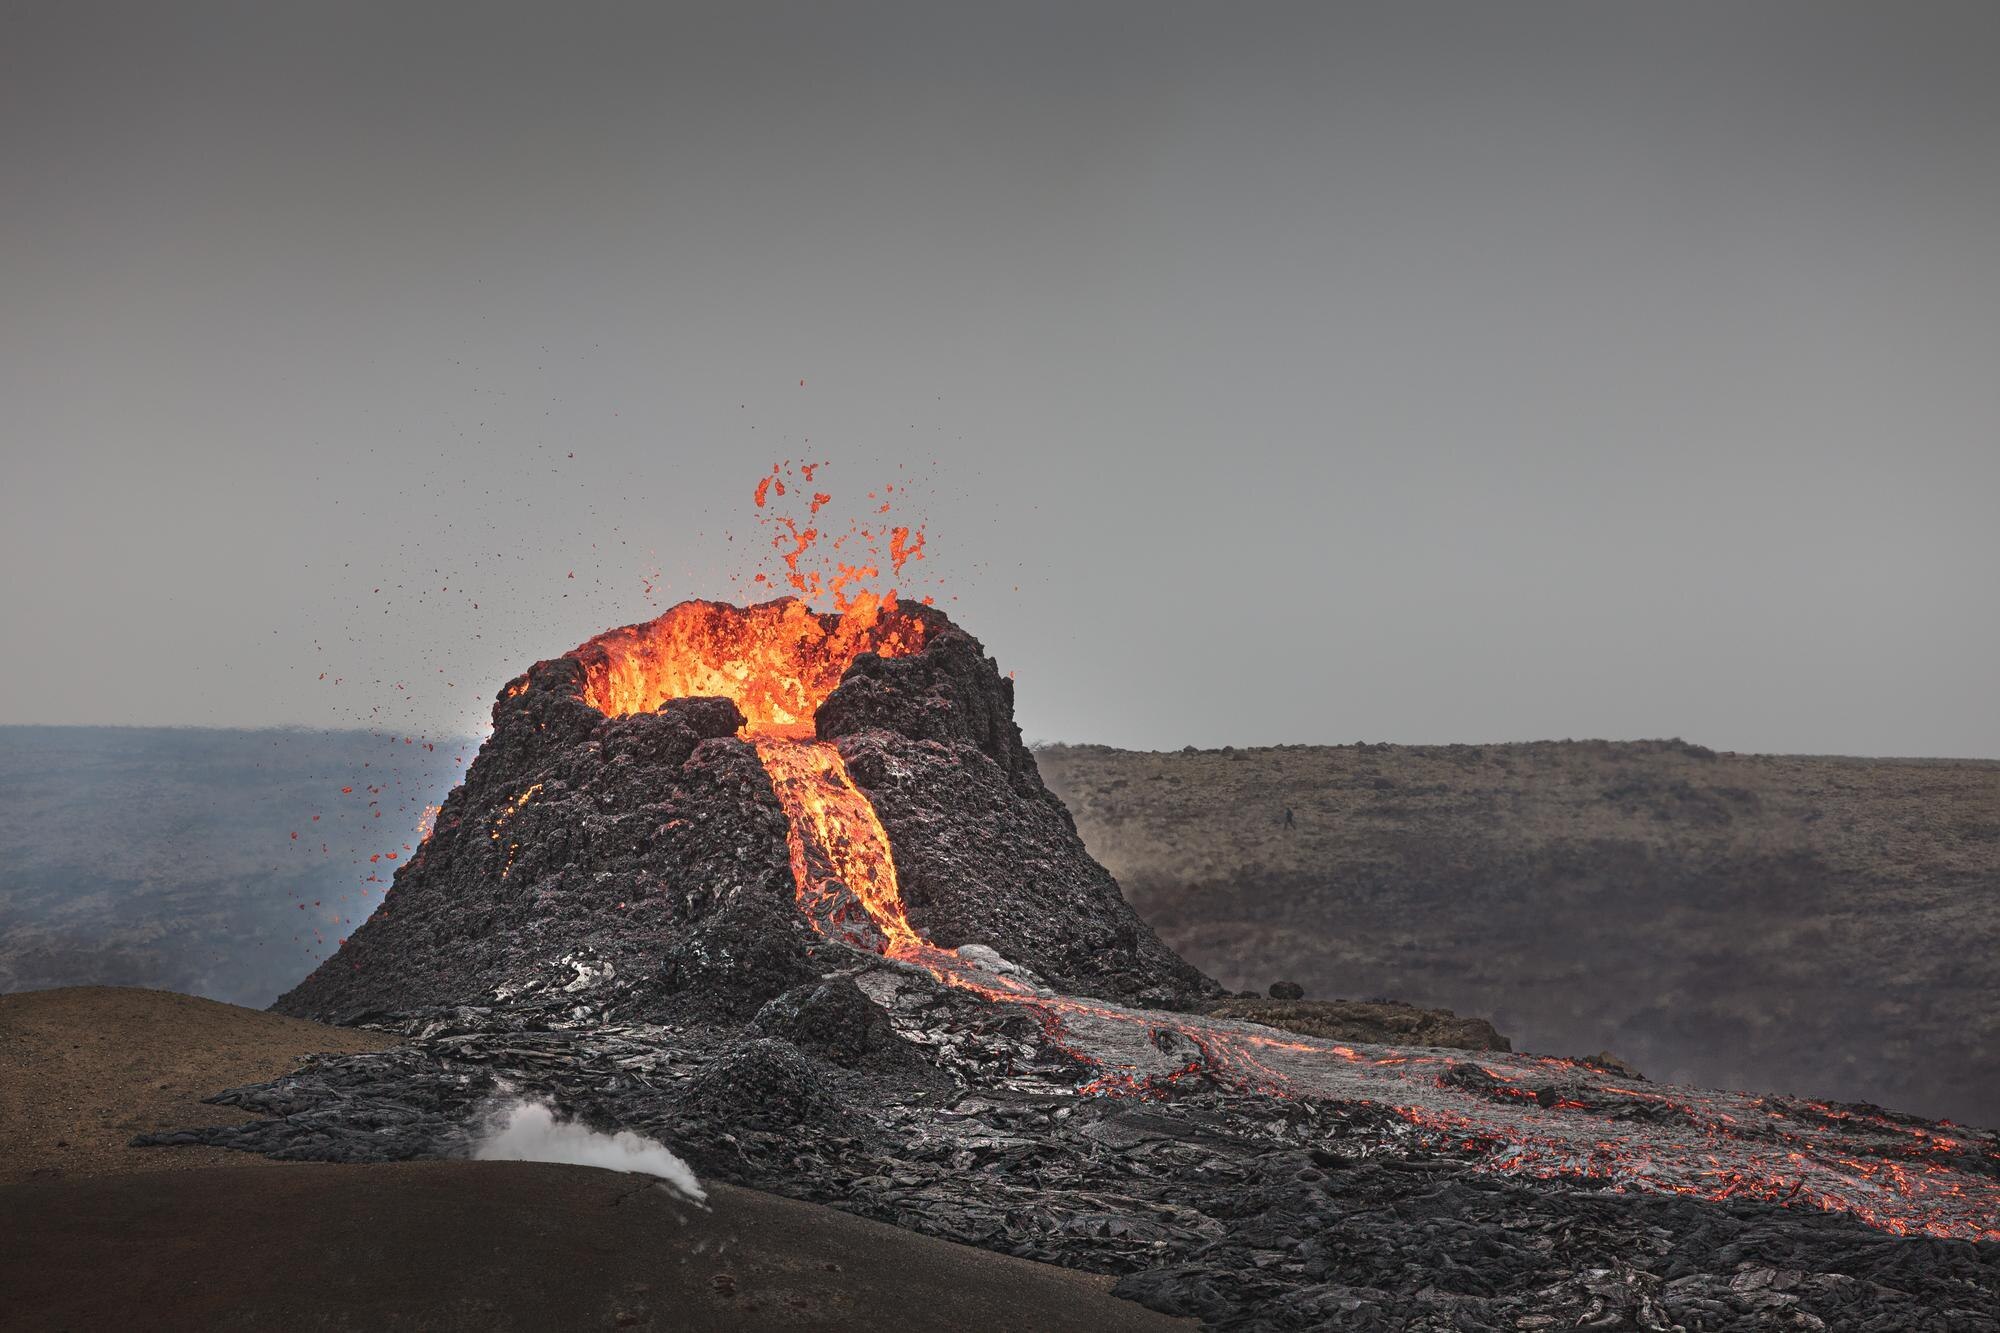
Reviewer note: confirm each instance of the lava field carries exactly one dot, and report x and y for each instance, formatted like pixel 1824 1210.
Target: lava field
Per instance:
pixel 785 891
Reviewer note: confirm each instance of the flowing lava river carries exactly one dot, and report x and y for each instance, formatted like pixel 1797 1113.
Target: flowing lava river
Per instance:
pixel 1508 1114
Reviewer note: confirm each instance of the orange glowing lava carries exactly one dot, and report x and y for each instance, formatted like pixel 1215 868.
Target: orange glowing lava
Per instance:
pixel 778 661
pixel 820 559
pixel 841 862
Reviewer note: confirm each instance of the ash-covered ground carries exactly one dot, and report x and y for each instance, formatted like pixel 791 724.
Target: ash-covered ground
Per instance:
pixel 610 916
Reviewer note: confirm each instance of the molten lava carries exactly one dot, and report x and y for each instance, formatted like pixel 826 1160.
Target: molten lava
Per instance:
pixel 777 660
pixel 841 863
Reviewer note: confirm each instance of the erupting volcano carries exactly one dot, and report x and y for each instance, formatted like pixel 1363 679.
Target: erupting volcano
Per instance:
pixel 786 887
pixel 777 663
pixel 863 763
pixel 649 799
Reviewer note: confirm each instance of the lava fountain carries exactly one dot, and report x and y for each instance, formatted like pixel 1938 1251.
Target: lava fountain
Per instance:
pixel 777 662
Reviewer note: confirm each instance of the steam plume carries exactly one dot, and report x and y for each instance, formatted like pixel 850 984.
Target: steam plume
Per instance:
pixel 528 1131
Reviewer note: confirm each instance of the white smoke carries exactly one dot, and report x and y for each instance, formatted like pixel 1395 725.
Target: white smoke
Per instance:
pixel 528 1131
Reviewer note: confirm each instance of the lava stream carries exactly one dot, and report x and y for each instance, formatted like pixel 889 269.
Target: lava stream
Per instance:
pixel 1536 1116
pixel 841 862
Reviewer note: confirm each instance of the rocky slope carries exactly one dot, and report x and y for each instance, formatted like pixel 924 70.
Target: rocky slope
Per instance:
pixel 653 847
pixel 1381 1023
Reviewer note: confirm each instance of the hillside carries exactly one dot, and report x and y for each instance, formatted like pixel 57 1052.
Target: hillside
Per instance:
pixel 1823 926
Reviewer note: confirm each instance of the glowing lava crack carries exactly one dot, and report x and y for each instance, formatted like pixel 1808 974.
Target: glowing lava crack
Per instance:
pixel 841 860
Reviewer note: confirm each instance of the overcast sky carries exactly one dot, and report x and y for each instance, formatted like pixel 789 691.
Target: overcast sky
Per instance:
pixel 1414 372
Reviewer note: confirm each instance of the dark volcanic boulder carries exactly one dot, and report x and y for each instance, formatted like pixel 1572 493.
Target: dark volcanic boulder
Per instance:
pixel 832 1019
pixel 738 957
pixel 951 693
pixel 640 862
pixel 763 1082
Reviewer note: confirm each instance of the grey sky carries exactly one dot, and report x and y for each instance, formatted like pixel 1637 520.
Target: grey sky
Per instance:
pixel 1406 371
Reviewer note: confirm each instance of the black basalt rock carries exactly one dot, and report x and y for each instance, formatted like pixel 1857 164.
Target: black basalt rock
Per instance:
pixel 736 959
pixel 951 692
pixel 763 1082
pixel 832 1019
pixel 706 716
pixel 575 861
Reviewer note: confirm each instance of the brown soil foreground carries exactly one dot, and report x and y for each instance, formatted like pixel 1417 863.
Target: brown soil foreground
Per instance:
pixel 85 1068
pixel 496 1245
pixel 94 1234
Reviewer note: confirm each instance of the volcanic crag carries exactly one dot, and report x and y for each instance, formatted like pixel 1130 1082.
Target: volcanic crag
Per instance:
pixel 785 891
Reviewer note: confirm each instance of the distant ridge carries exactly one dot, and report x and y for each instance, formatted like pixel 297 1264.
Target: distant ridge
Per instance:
pixel 1822 925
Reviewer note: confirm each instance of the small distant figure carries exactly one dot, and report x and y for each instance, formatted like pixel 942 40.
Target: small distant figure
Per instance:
pixel 1289 821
